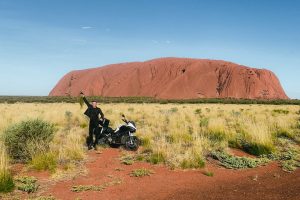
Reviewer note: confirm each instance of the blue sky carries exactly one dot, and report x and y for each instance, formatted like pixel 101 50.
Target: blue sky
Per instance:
pixel 41 40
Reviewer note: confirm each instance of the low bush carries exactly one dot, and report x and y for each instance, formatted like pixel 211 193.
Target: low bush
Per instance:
pixel 235 162
pixel 257 149
pixel 288 154
pixel 27 184
pixel 27 138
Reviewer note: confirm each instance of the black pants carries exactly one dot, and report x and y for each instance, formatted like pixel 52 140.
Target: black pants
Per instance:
pixel 94 129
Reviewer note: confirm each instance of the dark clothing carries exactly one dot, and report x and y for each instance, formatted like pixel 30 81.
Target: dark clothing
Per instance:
pixel 93 113
pixel 94 129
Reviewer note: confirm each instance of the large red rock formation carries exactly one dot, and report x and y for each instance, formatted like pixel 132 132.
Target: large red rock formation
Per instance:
pixel 173 78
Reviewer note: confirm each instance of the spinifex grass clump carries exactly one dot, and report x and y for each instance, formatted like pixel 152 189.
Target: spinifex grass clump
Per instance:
pixel 27 138
pixel 6 179
pixel 235 162
pixel 44 161
pixel 194 163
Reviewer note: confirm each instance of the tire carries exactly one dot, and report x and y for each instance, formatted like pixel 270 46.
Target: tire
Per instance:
pixel 132 146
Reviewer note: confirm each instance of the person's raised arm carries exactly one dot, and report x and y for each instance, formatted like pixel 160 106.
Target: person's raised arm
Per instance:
pixel 85 100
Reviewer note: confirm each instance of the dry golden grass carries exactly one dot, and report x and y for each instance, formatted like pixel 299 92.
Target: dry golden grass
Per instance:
pixel 179 135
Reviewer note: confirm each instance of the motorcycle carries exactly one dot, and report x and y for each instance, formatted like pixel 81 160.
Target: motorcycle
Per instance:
pixel 122 136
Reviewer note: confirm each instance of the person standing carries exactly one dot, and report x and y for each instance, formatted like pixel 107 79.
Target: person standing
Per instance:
pixel 95 114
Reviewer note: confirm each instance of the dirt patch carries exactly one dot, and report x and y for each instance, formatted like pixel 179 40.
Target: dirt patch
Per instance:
pixel 268 182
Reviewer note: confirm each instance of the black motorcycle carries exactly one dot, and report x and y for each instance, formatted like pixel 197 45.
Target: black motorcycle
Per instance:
pixel 122 136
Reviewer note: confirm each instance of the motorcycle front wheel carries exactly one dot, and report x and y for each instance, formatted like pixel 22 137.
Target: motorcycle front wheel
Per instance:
pixel 132 143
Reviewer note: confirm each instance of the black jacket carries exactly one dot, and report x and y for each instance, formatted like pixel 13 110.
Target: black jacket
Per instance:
pixel 93 113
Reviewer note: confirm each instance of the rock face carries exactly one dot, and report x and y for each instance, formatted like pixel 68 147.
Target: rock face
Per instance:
pixel 173 78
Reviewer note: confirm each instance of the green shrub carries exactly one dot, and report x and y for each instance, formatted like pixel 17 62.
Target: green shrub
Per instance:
pixel 257 149
pixel 235 162
pixel 44 161
pixel 6 182
pixel 27 138
pixel 27 184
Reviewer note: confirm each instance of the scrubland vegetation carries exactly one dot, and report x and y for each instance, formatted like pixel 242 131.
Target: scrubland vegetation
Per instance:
pixel 69 99
pixel 52 136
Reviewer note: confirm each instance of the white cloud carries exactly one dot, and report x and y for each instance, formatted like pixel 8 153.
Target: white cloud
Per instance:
pixel 168 42
pixel 86 27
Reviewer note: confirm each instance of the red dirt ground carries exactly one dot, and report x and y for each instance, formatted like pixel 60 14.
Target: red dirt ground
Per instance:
pixel 268 182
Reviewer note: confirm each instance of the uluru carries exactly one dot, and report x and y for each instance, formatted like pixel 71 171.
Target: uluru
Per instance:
pixel 173 78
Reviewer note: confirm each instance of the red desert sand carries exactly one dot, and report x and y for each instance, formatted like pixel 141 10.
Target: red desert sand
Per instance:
pixel 173 78
pixel 266 182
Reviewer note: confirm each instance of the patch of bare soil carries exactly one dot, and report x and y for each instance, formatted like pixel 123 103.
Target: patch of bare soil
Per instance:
pixel 105 169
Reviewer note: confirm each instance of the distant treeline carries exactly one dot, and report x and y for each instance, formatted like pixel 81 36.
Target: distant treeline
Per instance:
pixel 47 99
